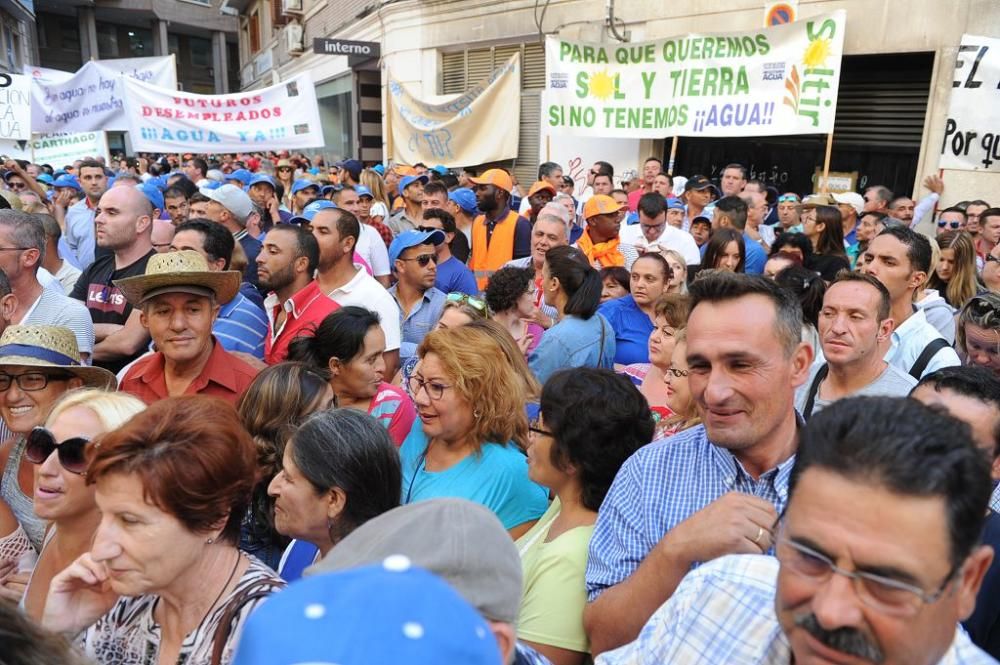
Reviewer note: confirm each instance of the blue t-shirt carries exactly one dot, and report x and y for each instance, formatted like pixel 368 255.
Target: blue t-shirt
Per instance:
pixel 454 276
pixel 756 256
pixel 573 342
pixel 632 330
pixel 496 478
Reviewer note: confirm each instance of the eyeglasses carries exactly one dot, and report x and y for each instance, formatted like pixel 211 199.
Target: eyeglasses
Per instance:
pixel 471 301
pixel 535 427
pixel 30 381
pixel 41 442
pixel 981 308
pixel 678 373
pixel 421 260
pixel 883 594
pixel 952 225
pixel 433 389
pixel 14 249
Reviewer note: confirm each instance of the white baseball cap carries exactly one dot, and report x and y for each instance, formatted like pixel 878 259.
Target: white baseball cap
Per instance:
pixel 852 199
pixel 232 198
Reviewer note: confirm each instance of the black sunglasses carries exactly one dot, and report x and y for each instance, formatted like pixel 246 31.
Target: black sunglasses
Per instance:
pixel 71 452
pixel 422 260
pixel 953 224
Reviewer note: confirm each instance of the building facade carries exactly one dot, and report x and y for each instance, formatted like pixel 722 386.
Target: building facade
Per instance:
pixel 18 46
pixel 897 74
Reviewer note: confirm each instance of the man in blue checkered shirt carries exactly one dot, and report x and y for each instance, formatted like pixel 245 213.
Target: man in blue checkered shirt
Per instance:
pixel 878 556
pixel 714 489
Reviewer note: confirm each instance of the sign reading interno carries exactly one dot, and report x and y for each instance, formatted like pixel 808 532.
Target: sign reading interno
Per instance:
pixel 283 116
pixel 972 130
pixel 92 98
pixel 767 82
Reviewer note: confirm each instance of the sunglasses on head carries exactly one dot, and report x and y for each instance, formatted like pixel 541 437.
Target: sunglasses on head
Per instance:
pixel 785 198
pixel 472 301
pixel 953 224
pixel 428 229
pixel 72 454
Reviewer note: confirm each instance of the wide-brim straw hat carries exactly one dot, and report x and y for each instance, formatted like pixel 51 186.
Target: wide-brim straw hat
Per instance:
pixel 185 271
pixel 50 347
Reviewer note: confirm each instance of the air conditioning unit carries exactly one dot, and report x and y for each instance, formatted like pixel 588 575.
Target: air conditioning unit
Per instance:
pixel 292 34
pixel 291 6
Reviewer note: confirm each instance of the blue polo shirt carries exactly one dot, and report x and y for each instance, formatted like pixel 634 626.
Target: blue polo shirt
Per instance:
pixel 756 256
pixel 241 326
pixel 455 276
pixel 632 330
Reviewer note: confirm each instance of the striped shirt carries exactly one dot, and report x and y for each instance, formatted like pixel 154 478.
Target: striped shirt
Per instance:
pixel 724 613
pixel 660 486
pixel 55 309
pixel 241 326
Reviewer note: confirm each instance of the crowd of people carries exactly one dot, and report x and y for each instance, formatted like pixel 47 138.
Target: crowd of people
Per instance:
pixel 264 409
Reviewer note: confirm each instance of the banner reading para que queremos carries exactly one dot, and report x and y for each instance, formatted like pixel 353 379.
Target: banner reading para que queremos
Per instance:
pixel 767 82
pixel 91 99
pixel 972 131
pixel 283 116
pixel 478 126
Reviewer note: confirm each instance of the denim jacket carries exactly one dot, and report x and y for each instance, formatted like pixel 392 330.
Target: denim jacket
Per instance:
pixel 574 342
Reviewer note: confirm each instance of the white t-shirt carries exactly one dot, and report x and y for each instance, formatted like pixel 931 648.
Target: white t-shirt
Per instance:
pixel 909 341
pixel 673 238
pixel 371 248
pixel 364 291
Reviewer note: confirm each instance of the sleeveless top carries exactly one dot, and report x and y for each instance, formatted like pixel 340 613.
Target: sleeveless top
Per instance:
pixel 20 504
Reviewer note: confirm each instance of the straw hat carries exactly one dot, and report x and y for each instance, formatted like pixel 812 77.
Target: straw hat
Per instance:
pixel 185 272
pixel 50 346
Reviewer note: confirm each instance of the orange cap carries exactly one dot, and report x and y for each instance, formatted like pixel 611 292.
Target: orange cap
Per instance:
pixel 600 204
pixel 497 178
pixel 539 186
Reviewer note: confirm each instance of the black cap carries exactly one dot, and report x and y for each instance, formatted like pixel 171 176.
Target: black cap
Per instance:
pixel 697 182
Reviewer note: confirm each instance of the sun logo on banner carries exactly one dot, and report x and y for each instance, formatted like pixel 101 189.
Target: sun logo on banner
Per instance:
pixel 816 53
pixel 815 56
pixel 602 85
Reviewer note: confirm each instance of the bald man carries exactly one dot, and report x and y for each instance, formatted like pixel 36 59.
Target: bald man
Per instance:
pixel 124 224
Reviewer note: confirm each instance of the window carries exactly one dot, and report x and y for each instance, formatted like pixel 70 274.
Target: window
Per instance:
pixel 13 43
pixel 69 35
pixel 201 51
pixel 278 18
pixel 140 42
pixel 173 45
pixel 254 30
pixel 107 40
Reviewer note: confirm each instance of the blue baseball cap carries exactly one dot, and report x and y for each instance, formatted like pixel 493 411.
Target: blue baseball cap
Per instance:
pixel 379 169
pixel 45 177
pixel 301 184
pixel 326 189
pixel 392 612
pixel 353 166
pixel 409 180
pixel 67 180
pixel 440 169
pixel 465 199
pixel 674 204
pixel 154 195
pixel 258 178
pixel 310 211
pixel 363 191
pixel 241 175
pixel 412 238
pixel 213 184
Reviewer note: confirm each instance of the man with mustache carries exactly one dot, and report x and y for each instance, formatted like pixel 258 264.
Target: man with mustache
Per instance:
pixel 878 553
pixel 854 329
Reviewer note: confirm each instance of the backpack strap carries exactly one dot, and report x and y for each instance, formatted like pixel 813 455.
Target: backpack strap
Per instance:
pixel 925 356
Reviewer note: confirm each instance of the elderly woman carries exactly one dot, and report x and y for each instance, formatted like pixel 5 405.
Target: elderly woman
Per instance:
pixel 349 345
pixel 670 315
pixel 511 297
pixel 632 317
pixel 280 398
pixel 58 452
pixel 978 331
pixel 37 365
pixel 339 470
pixel 591 421
pixel 471 406
pixel 582 337
pixel 679 398
pixel 164 581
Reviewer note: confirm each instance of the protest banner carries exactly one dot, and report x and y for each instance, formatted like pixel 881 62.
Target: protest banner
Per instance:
pixel 577 155
pixel 58 150
pixel 15 107
pixel 478 126
pixel 92 98
pixel 767 82
pixel 281 117
pixel 972 130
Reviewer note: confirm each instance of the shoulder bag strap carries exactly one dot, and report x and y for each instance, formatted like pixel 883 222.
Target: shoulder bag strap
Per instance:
pixel 258 590
pixel 813 390
pixel 925 356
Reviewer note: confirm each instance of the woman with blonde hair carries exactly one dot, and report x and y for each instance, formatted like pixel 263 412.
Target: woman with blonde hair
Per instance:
pixel 678 270
pixel 470 401
pixel 954 278
pixel 679 397
pixel 936 309
pixel 380 200
pixel 58 452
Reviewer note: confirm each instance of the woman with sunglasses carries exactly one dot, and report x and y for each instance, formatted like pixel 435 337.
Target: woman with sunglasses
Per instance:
pixel 591 421
pixel 978 331
pixel 58 452
pixel 285 175
pixel 348 346
pixel 472 425
pixel 37 365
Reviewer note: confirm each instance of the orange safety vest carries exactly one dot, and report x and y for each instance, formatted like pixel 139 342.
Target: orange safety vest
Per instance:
pixel 488 257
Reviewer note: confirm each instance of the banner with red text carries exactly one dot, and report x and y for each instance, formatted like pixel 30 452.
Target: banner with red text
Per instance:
pixel 767 82
pixel 284 116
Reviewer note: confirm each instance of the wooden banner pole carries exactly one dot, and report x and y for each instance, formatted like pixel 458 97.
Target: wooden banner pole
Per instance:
pixel 673 155
pixel 825 185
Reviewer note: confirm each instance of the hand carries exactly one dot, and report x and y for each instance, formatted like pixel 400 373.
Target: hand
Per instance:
pixel 735 523
pixel 11 165
pixel 7 567
pixel 272 207
pixel 934 183
pixel 540 318
pixel 13 586
pixel 525 340
pixel 63 198
pixel 78 596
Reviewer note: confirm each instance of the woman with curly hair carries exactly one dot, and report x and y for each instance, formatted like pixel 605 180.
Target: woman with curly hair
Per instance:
pixel 511 297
